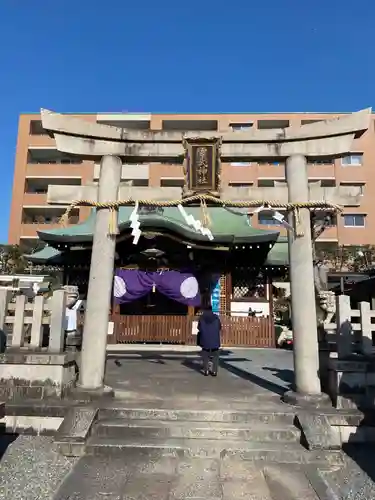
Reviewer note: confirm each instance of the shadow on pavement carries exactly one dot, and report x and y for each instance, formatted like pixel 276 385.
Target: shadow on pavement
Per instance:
pixel 251 377
pixel 363 455
pixel 285 375
pixel 227 362
pixel 5 440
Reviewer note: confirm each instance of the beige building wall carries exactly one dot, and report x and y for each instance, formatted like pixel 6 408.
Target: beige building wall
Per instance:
pixel 38 164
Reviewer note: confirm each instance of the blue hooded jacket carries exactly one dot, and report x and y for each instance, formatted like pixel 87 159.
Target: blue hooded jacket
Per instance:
pixel 209 327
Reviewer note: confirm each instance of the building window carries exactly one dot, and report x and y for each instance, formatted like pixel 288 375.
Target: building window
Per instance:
pixel 266 219
pixel 172 183
pixel 241 126
pixel 351 160
pixel 36 128
pixel 272 124
pixel 354 220
pixel 266 163
pixel 240 184
pixel 324 183
pixel 320 161
pixel 271 182
pixel 360 185
pixel 308 122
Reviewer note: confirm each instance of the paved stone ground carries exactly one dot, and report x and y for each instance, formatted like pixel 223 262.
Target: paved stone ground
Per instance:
pixel 30 468
pixel 243 375
pixel 130 477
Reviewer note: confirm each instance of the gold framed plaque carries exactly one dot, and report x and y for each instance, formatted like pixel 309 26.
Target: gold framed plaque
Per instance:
pixel 202 166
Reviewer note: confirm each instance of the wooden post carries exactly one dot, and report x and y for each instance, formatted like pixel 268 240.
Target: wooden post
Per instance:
pixel 344 333
pixel 271 319
pixel 37 320
pixel 18 335
pixel 115 318
pixel 58 321
pixel 228 293
pixel 366 333
pixel 270 295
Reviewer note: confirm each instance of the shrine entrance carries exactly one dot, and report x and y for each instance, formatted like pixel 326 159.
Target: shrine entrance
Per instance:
pixel 153 298
pixel 180 330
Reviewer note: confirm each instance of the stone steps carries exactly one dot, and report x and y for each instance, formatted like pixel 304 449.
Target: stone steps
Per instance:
pixel 183 448
pixel 142 428
pixel 197 433
pixel 191 448
pixel 276 417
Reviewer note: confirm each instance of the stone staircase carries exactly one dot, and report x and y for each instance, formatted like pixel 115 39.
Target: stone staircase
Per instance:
pixel 195 450
pixel 237 434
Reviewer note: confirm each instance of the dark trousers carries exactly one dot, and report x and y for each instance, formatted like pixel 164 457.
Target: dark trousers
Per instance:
pixel 213 356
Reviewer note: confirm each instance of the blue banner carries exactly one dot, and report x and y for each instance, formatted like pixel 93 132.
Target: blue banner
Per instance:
pixel 215 297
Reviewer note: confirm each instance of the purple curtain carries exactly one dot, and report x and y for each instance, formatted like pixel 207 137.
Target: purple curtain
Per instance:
pixel 132 284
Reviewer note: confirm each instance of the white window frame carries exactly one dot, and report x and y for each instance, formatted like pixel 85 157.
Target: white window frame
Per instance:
pixel 352 164
pixel 355 225
pixel 241 127
pixel 241 164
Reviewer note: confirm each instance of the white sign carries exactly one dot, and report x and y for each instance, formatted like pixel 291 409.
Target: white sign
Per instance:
pixel 111 326
pixel 194 328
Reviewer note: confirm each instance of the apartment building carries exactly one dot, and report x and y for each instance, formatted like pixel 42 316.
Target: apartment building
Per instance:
pixel 38 164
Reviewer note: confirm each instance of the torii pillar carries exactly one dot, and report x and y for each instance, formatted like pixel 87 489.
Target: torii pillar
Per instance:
pixel 307 388
pixel 95 330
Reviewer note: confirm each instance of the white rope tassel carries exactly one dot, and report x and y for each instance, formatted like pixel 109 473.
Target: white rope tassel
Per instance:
pixel 196 224
pixel 135 224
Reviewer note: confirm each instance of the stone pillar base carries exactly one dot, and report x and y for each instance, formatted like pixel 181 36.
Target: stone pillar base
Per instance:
pixel 36 375
pixel 294 398
pixel 83 394
pixel 352 382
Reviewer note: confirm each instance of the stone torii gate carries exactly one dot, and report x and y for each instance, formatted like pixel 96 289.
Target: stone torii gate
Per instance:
pixel 110 145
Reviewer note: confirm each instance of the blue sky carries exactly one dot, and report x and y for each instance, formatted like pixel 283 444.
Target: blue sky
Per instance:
pixel 186 56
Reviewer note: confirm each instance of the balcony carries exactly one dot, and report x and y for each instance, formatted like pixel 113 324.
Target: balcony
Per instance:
pixel 268 169
pixel 329 234
pixel 40 140
pixel 50 156
pixel 321 169
pixel 130 121
pixel 159 171
pixel 30 225
pixel 34 218
pixel 29 230
pixel 350 174
pixel 36 189
pixel 129 172
pixel 35 199
pixel 189 125
pixel 237 173
pixel 53 170
pixel 272 124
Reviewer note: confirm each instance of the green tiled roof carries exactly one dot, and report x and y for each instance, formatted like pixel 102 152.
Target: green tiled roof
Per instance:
pixel 278 255
pixel 227 226
pixel 47 254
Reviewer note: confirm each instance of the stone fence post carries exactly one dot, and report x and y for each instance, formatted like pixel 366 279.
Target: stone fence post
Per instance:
pixel 34 315
pixel 57 322
pixel 366 328
pixel 344 329
pixel 4 300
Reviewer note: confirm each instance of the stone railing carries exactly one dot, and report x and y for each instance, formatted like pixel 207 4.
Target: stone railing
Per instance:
pixel 34 325
pixel 353 328
pixel 349 373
